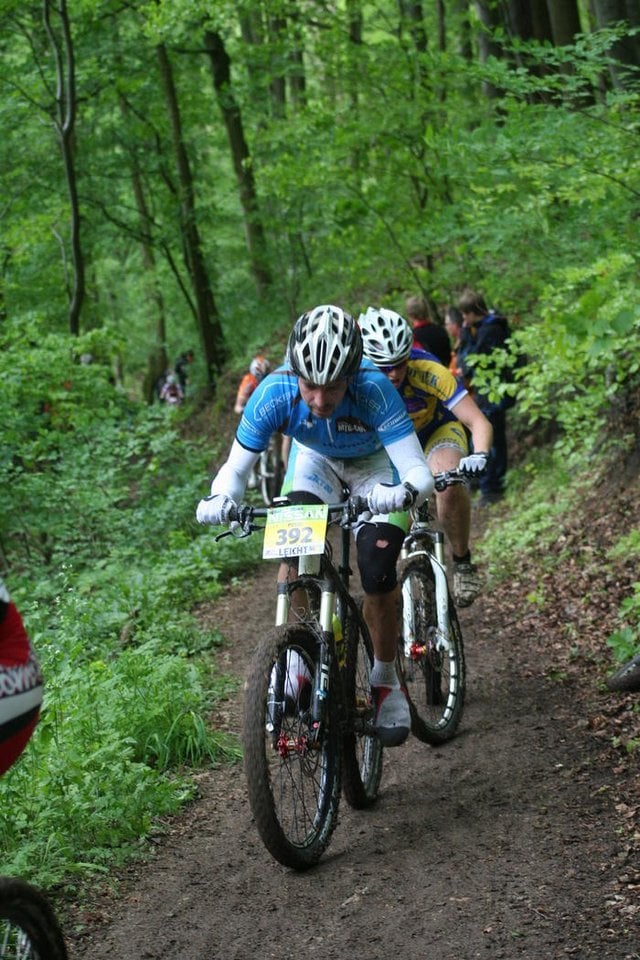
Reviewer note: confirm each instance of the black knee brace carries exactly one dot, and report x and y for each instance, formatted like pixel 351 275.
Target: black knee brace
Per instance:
pixel 378 551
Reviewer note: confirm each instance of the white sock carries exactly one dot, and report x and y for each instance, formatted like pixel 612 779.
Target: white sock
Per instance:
pixel 384 674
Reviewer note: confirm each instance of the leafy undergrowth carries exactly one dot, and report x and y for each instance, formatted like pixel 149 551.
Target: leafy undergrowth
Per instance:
pixel 565 560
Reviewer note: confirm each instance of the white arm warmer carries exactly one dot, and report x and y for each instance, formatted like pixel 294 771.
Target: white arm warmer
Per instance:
pixel 410 462
pixel 231 478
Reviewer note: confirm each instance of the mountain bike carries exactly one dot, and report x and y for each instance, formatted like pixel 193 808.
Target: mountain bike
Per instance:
pixel 309 717
pixel 28 926
pixel 430 657
pixel 270 470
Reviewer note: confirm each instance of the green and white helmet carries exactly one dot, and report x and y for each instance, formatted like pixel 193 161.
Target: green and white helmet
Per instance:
pixel 386 336
pixel 325 345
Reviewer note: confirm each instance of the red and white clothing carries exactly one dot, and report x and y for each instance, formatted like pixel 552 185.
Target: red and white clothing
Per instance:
pixel 20 683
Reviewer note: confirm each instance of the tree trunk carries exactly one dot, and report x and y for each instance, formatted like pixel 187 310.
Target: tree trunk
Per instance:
pixel 490 18
pixel 211 334
pixel 66 107
pixel 241 158
pixel 540 21
pixel 529 20
pixel 277 86
pixel 297 77
pixel 157 361
pixel 565 21
pixel 463 32
pixel 627 50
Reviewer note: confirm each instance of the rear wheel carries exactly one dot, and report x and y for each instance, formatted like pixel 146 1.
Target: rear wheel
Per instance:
pixel 28 927
pixel 362 750
pixel 271 471
pixel 431 664
pixel 293 774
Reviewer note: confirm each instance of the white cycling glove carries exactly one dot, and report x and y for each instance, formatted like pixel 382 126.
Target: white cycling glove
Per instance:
pixel 387 499
pixel 474 465
pixel 215 509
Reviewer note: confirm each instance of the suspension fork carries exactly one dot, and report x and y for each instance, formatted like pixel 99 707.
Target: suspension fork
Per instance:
pixel 442 590
pixel 437 561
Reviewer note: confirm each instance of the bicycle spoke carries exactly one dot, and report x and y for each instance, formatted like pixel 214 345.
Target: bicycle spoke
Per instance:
pixel 292 765
pixel 431 663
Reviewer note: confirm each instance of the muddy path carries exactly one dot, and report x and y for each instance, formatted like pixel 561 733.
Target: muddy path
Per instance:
pixel 503 844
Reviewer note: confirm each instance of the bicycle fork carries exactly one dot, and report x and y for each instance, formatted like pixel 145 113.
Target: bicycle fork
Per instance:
pixel 412 649
pixel 323 658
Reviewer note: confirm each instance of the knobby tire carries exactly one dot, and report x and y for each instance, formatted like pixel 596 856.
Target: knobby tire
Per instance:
pixel 271 474
pixel 362 750
pixel 28 926
pixel 294 792
pixel 434 675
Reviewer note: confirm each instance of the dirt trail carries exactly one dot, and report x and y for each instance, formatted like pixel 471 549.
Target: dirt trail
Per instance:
pixel 500 845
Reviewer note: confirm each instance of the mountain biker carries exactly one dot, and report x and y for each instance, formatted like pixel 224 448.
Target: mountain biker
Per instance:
pixel 171 391
pixel 349 427
pixel 20 683
pixel 258 368
pixel 440 409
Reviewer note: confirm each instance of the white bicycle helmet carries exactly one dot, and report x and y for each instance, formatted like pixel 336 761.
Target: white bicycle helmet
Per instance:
pixel 386 336
pixel 259 367
pixel 325 345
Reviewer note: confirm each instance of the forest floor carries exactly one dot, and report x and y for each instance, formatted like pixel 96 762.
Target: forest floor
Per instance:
pixel 518 839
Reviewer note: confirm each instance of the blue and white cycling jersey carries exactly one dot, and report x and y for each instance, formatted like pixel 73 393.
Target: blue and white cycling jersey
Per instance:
pixel 371 415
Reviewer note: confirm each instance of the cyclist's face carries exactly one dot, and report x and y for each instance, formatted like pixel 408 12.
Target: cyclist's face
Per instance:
pixel 322 400
pixel 396 373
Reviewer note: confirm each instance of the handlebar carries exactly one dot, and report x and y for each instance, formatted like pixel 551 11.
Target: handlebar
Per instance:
pixel 447 479
pixel 241 518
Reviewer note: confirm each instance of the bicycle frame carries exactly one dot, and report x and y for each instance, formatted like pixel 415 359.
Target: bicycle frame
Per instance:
pixel 317 569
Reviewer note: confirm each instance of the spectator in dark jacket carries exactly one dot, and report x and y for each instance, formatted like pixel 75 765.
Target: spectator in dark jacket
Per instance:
pixel 428 335
pixel 487 331
pixel 182 368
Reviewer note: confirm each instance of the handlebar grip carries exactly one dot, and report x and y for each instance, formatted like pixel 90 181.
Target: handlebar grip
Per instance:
pixel 411 497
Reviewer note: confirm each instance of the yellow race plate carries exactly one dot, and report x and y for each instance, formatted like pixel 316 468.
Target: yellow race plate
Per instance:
pixel 295 531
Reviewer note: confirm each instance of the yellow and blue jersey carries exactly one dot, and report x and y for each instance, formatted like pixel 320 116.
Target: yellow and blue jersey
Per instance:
pixel 430 392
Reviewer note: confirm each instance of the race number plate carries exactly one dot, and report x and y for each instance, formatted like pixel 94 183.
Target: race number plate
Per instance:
pixel 295 531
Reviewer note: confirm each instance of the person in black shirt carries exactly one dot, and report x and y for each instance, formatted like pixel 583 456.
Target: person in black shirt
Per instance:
pixel 488 331
pixel 427 334
pixel 181 368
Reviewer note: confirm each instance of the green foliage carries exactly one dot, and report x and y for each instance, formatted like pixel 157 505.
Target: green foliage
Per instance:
pixel 625 641
pixel 544 491
pixel 106 564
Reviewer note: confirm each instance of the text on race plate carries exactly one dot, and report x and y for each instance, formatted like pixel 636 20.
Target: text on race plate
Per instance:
pixel 295 531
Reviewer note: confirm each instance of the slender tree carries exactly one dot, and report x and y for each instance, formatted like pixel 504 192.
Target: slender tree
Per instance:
pixel 490 17
pixel 64 123
pixel 211 334
pixel 626 52
pixel 565 21
pixel 241 159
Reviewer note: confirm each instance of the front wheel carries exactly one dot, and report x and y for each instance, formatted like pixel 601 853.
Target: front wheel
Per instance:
pixel 431 664
pixel 28 927
pixel 362 750
pixel 293 774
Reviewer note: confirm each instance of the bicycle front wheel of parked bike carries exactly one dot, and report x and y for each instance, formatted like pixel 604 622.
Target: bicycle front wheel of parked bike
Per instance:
pixel 293 774
pixel 28 926
pixel 362 750
pixel 432 666
pixel 271 473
